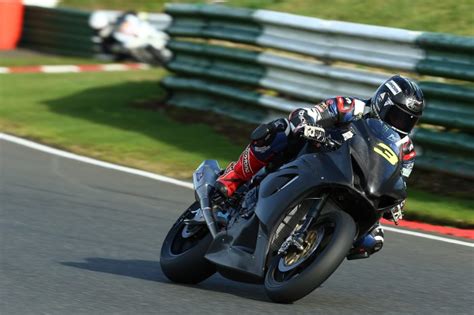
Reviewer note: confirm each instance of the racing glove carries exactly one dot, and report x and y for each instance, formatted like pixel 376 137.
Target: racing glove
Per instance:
pixel 313 132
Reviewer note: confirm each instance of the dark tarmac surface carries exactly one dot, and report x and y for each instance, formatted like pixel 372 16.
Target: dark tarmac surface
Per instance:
pixel 79 239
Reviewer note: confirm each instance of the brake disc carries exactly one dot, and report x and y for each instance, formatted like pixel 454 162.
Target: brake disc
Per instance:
pixel 295 258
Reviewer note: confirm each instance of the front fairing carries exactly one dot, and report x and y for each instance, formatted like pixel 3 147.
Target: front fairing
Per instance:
pixel 309 173
pixel 366 167
pixel 377 156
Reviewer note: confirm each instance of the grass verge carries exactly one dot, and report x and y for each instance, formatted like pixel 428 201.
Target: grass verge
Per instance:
pixel 428 207
pixel 91 113
pixel 102 115
pixel 25 57
pixel 449 16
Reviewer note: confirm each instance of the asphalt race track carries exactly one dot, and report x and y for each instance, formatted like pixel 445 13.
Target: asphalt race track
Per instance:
pixel 80 239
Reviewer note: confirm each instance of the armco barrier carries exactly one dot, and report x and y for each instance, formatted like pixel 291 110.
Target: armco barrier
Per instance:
pixel 256 64
pixel 58 31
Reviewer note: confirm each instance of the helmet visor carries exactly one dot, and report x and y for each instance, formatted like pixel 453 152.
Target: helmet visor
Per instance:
pixel 399 119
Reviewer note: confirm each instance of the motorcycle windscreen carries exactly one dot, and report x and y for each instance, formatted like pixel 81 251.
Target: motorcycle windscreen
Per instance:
pixel 377 154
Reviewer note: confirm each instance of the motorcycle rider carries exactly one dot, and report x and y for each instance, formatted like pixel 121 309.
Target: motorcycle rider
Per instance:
pixel 398 101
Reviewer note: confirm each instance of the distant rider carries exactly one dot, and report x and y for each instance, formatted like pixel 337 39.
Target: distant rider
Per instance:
pixel 398 101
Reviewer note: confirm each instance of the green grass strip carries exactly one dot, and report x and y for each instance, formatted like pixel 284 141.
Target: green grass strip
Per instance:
pixel 439 209
pixel 449 16
pixel 91 114
pixel 30 58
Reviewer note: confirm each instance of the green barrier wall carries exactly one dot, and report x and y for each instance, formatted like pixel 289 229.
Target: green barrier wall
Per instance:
pixel 58 31
pixel 229 61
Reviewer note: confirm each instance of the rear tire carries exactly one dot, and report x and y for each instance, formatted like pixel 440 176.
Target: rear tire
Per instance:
pixel 286 287
pixel 182 258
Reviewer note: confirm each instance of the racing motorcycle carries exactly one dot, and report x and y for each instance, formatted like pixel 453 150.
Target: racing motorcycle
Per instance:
pixel 291 227
pixel 129 36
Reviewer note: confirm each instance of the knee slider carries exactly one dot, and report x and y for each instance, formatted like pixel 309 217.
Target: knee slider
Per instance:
pixel 262 135
pixel 265 133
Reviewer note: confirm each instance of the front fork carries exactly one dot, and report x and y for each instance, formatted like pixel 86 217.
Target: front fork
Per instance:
pixel 313 213
pixel 296 239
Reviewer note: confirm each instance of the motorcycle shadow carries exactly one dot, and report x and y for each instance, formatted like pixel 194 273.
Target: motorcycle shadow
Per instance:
pixel 151 271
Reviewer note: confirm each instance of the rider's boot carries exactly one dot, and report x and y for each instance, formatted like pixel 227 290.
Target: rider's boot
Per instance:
pixel 239 172
pixel 371 243
pixel 235 174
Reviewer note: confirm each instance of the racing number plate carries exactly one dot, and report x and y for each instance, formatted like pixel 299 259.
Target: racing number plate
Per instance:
pixel 386 152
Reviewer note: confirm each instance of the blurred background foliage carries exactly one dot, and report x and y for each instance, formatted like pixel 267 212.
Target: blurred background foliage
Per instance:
pixel 448 16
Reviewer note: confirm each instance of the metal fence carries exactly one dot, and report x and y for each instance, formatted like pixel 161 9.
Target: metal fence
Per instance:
pixel 257 64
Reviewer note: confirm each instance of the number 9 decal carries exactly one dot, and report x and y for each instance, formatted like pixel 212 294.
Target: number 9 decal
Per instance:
pixel 386 152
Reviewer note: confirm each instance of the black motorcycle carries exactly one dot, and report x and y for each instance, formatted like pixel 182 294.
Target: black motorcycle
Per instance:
pixel 289 228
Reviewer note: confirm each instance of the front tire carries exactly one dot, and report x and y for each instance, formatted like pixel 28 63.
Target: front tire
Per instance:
pixel 182 253
pixel 284 284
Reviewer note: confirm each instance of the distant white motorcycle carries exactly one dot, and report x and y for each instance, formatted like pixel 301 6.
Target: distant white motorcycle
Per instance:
pixel 129 36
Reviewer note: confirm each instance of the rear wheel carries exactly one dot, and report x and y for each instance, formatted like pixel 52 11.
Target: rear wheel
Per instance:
pixel 182 253
pixel 297 273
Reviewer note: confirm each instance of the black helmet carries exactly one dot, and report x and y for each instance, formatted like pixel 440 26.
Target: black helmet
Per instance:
pixel 399 102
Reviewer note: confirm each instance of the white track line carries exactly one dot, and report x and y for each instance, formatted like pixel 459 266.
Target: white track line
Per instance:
pixel 428 236
pixel 72 156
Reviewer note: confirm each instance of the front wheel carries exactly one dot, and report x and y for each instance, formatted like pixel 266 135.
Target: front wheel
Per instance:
pixel 295 274
pixel 182 253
